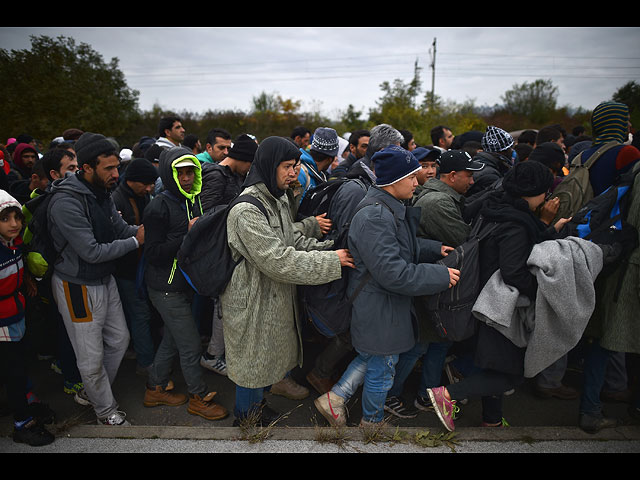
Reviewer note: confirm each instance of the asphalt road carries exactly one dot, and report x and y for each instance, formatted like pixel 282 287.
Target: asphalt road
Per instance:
pixel 536 425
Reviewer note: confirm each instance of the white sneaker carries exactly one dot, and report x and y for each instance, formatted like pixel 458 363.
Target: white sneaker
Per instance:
pixel 81 398
pixel 116 418
pixel 215 364
pixel 331 406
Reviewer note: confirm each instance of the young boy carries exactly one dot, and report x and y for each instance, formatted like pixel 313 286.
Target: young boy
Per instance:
pixel 27 427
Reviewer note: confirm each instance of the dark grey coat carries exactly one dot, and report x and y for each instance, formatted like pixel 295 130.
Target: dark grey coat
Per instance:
pixel 383 242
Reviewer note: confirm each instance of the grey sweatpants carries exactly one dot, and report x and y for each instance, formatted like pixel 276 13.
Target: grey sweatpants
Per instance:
pixel 98 331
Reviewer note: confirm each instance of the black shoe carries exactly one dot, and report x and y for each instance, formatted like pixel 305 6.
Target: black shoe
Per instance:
pixel 33 434
pixel 423 404
pixel 264 418
pixel 397 407
pixel 595 423
pixel 41 412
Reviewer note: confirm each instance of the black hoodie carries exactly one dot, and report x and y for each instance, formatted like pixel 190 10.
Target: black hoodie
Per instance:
pixel 166 221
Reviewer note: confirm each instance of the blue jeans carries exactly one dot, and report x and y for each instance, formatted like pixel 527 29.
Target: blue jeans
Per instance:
pixel 433 356
pixel 376 374
pixel 181 339
pixel 248 400
pixel 138 315
pixel 595 368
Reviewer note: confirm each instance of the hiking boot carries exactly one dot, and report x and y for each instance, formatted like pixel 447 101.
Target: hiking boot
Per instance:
pixel 445 409
pixel 594 423
pixel 289 389
pixel 214 363
pixel 32 433
pixel 562 392
pixel 163 396
pixel 332 407
pixel 397 407
pixel 205 407
pixel 264 417
pixel 117 418
pixel 321 385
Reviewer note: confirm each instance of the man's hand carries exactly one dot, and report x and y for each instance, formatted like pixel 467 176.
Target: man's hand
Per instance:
pixel 454 276
pixel 549 209
pixel 444 250
pixel 346 260
pixel 325 223
pixel 191 222
pixel 140 235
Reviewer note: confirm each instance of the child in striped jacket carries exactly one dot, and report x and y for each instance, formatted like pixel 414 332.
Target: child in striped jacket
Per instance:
pixel 13 358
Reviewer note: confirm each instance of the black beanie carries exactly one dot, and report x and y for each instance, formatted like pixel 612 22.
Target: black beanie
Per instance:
pixel 90 145
pixel 548 153
pixel 141 170
pixel 243 149
pixel 527 179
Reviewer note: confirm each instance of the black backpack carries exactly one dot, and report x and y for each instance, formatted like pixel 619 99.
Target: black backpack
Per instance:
pixel 328 305
pixel 204 258
pixel 40 253
pixel 318 199
pixel 450 310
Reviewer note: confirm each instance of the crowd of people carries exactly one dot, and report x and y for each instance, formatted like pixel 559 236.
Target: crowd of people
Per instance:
pixel 115 218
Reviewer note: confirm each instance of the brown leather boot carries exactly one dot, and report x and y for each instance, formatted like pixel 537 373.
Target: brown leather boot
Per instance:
pixel 163 396
pixel 205 407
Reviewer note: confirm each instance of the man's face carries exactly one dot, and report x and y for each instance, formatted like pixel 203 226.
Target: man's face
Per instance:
pixel 67 164
pixel 186 177
pixel 105 174
pixel 243 168
pixel 447 139
pixel 219 150
pixel 461 181
pixel 361 149
pixel 427 171
pixel 175 133
pixel 302 142
pixel 29 158
pixel 141 189
pixel 286 173
pixel 403 189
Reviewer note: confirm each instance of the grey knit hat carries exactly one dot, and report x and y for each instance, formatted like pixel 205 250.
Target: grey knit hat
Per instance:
pixel 325 140
pixel 496 140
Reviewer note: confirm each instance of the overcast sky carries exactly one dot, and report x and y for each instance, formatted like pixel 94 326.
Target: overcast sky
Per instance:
pixel 328 68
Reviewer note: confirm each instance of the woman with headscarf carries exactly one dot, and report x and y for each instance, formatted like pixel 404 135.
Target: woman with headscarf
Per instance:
pixel 262 328
pixel 499 361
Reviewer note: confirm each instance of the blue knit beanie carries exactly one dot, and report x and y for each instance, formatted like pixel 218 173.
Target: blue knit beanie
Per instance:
pixel 393 164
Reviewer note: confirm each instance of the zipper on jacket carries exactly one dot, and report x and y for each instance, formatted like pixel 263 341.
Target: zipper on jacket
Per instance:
pixel 173 270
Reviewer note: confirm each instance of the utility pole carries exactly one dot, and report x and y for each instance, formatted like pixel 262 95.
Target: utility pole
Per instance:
pixel 433 72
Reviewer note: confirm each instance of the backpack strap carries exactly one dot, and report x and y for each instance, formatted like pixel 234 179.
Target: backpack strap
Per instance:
pixel 577 161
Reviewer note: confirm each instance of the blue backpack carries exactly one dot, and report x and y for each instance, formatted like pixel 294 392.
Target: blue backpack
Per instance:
pixel 602 220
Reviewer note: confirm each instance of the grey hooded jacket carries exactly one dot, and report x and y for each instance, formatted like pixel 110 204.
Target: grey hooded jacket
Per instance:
pixel 83 259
